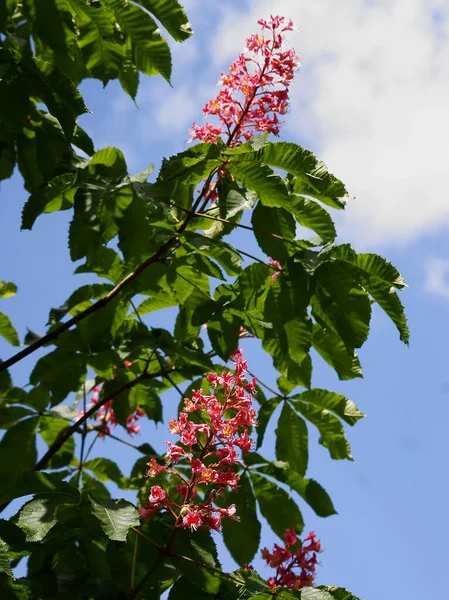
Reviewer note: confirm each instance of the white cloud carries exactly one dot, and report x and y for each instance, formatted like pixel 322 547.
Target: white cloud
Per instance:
pixel 372 95
pixel 437 277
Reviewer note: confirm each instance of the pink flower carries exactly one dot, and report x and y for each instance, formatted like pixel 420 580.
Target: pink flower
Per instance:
pixel 290 538
pixel 294 570
pixel 154 468
pixel 157 494
pixel 192 520
pixel 254 91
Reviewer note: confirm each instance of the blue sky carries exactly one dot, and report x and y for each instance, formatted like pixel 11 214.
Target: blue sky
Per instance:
pixel 370 100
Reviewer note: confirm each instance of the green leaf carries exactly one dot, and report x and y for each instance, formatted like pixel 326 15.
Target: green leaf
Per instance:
pixel 371 265
pixel 332 435
pixel 311 491
pixel 200 547
pixel 342 305
pixel 8 331
pixel 60 373
pixel 327 593
pixel 80 300
pixel 269 186
pixel 247 525
pixel 116 517
pixel 277 221
pixel 49 429
pixel 172 16
pixel 183 588
pixel 292 440
pixel 58 92
pixel 388 300
pixel 58 194
pixel 38 516
pixel 224 332
pixel 18 449
pixel 336 403
pixel 7 289
pixel 150 50
pixel 263 416
pixel 145 397
pixel 5 566
pixel 225 255
pixel 106 470
pixel 312 215
pixel 278 508
pixel 311 175
pixel 332 349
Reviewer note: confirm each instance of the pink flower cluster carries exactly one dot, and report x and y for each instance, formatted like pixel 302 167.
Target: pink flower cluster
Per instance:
pixel 256 89
pixel 277 264
pixel 105 417
pixel 211 431
pixel 297 555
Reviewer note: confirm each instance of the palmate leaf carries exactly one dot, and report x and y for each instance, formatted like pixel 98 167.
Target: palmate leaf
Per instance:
pixel 332 435
pixel 5 566
pixel 201 548
pixel 7 289
pixel 40 515
pixel 116 517
pixel 8 331
pixel 151 51
pixel 292 442
pixel 248 523
pixel 58 194
pixel 330 401
pixel 387 298
pixel 311 177
pixel 172 16
pixel 327 593
pixel 266 221
pixel 103 57
pixel 275 504
pixel 309 489
pixel 332 349
pixel 371 265
pixel 58 92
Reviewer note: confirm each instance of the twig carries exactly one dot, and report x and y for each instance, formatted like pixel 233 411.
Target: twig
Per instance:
pixel 101 303
pixel 65 434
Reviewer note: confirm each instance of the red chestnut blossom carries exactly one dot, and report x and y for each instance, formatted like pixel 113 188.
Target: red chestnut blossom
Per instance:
pixel 255 91
pixel 296 556
pixel 105 416
pixel 278 266
pixel 208 448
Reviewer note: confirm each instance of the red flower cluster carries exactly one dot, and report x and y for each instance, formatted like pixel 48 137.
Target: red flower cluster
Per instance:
pixel 255 91
pixel 211 430
pixel 297 555
pixel 277 264
pixel 105 417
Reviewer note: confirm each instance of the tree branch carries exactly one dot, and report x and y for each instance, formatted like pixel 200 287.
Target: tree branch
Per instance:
pixel 66 433
pixel 52 335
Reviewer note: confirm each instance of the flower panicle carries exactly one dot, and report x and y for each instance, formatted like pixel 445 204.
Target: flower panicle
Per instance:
pixel 105 418
pixel 255 91
pixel 209 448
pixel 295 563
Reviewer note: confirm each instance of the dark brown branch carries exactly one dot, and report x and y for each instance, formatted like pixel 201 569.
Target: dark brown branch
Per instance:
pixel 66 433
pixel 155 257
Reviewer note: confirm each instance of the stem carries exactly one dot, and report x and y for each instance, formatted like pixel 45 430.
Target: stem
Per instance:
pixel 267 387
pixel 133 568
pixel 238 225
pixel 134 593
pixel 69 431
pixel 83 439
pixel 92 445
pixel 43 341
